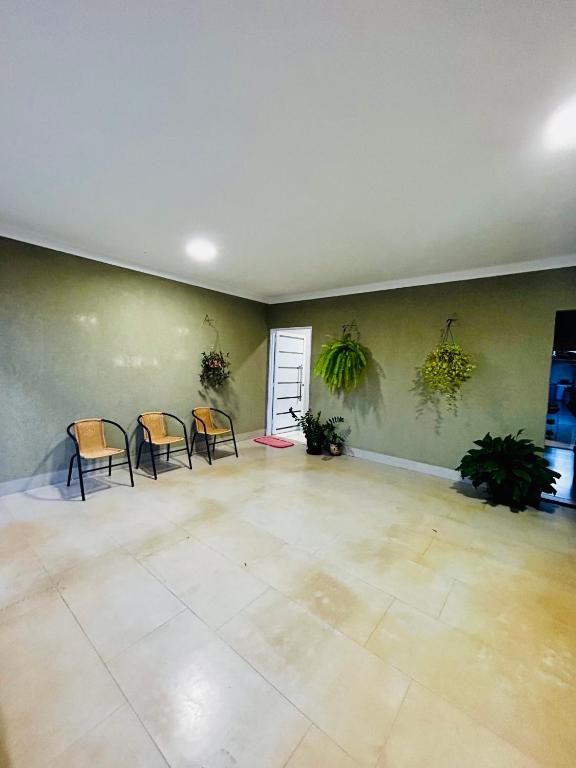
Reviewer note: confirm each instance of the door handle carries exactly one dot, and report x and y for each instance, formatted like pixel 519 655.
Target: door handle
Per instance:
pixel 300 382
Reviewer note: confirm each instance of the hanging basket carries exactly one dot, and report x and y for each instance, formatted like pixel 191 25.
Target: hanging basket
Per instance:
pixel 215 369
pixel 446 368
pixel 342 362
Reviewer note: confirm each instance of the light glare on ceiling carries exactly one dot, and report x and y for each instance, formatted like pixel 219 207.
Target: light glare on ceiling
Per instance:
pixel 560 130
pixel 201 249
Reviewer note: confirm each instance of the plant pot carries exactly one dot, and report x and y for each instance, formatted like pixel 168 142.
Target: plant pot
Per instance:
pixel 504 497
pixel 314 449
pixel 335 450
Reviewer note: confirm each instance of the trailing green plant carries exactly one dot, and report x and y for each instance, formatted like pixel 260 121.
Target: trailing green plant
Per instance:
pixel 313 429
pixel 512 469
pixel 342 362
pixel 443 372
pixel 333 435
pixel 215 368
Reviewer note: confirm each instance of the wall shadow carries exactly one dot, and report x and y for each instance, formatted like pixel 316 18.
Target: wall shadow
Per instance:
pixel 368 399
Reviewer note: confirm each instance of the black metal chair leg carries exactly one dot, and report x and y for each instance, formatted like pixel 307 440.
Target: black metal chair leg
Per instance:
pixel 70 468
pixel 168 452
pixel 214 447
pixel 188 451
pixel 234 441
pixel 81 478
pixel 109 466
pixel 139 454
pixel 208 448
pixel 130 468
pixel 192 443
pixel 153 460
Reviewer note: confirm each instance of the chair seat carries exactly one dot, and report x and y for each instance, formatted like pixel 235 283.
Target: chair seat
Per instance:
pixel 100 453
pixel 215 431
pixel 166 440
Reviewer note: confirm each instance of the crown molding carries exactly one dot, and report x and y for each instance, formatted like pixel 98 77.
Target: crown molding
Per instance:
pixel 499 270
pixel 55 245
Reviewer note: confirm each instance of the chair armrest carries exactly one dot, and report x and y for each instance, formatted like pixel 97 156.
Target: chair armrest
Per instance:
pixel 197 418
pixel 70 430
pixel 223 414
pixel 144 427
pixel 173 416
pixel 115 424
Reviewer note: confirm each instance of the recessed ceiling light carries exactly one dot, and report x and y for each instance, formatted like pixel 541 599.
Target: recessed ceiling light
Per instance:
pixel 560 130
pixel 201 249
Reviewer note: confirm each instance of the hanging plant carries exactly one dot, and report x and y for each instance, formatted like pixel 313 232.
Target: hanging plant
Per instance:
pixel 342 362
pixel 445 369
pixel 215 368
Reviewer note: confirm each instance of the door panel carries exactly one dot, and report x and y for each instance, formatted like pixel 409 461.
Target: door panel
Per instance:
pixel 289 385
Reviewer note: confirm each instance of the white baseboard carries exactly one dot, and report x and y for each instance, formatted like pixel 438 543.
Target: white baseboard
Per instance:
pixel 20 484
pixel 396 461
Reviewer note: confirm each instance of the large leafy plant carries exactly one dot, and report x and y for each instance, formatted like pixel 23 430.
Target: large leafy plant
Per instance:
pixel 313 429
pixel 511 467
pixel 342 362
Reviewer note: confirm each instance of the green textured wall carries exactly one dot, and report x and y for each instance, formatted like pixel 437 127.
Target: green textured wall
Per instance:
pixel 79 338
pixel 507 323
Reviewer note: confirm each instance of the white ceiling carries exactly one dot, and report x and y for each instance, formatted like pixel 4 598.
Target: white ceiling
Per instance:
pixel 322 144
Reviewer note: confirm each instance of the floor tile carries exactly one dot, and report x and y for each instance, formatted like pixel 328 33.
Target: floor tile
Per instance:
pixel 499 579
pixel 211 585
pixel 330 593
pixel 388 569
pixel 202 704
pixel 237 539
pixel 429 733
pixel 521 632
pixel 531 711
pixel 119 740
pixel 116 601
pixel 316 750
pixel 54 686
pixel 21 573
pixel 343 689
pixel 74 542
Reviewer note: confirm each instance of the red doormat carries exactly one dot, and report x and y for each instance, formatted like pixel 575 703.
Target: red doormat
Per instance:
pixel 274 442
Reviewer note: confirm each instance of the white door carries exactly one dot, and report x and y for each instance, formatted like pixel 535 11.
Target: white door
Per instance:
pixel 288 386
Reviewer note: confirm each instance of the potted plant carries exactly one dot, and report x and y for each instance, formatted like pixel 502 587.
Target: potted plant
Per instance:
pixel 333 438
pixel 313 430
pixel 215 368
pixel 512 469
pixel 342 362
pixel 444 371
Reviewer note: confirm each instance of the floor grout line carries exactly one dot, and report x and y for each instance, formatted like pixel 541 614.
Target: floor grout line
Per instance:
pixel 113 678
pixel 297 747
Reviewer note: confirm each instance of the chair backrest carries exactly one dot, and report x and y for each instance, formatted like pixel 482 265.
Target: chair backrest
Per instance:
pixel 155 422
pixel 206 415
pixel 90 434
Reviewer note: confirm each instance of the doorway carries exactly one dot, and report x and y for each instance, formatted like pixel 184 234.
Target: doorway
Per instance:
pixel 560 442
pixel 288 378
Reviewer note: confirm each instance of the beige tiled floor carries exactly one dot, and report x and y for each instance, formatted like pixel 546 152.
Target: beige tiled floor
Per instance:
pixel 284 610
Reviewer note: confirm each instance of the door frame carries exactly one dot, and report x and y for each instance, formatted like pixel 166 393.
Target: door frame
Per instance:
pixel 307 330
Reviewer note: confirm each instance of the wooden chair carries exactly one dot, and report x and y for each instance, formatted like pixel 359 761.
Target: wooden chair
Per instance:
pixel 154 432
pixel 90 443
pixel 204 425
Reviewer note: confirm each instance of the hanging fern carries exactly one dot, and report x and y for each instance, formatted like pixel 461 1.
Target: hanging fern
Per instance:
pixel 342 362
